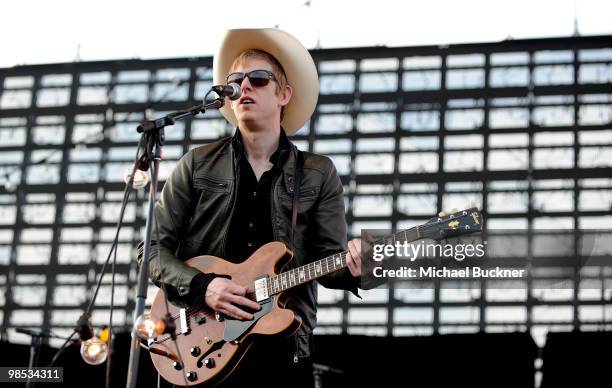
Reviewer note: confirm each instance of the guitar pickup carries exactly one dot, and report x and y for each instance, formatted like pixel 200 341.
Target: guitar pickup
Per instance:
pixel 262 292
pixel 183 320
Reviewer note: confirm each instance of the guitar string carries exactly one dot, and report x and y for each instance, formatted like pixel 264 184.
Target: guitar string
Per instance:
pixel 423 228
pixel 191 312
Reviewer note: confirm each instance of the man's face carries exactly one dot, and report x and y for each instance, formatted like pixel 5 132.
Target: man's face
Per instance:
pixel 265 105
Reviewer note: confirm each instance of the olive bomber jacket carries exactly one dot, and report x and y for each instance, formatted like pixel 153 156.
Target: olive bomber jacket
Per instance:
pixel 195 211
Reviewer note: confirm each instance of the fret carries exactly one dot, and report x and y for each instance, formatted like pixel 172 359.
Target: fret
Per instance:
pixel 329 264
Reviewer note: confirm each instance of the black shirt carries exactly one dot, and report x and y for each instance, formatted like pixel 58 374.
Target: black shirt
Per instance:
pixel 251 225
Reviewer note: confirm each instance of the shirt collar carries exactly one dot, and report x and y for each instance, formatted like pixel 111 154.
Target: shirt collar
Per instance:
pixel 283 145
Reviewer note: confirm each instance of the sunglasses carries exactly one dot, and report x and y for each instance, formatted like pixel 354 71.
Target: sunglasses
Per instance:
pixel 258 78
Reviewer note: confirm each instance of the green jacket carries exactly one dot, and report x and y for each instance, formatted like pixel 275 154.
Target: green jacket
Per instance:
pixel 195 211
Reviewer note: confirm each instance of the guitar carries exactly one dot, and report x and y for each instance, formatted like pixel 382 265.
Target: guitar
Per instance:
pixel 211 346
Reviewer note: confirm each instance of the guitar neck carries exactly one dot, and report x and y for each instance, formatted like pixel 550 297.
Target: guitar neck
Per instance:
pixel 329 264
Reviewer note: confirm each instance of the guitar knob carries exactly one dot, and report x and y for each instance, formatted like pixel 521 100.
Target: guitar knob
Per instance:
pixel 218 316
pixel 195 351
pixel 201 318
pixel 191 376
pixel 177 365
pixel 209 363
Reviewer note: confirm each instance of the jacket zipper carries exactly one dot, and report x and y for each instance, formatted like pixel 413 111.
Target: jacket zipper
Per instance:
pixel 297 347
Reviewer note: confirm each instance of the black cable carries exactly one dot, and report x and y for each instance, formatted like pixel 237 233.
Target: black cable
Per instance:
pixel 163 289
pixel 110 320
pixel 126 195
pixel 87 313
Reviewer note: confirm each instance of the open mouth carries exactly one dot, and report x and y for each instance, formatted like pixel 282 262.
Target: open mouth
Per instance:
pixel 247 101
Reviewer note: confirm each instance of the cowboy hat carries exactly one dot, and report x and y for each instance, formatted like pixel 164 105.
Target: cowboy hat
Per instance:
pixel 290 53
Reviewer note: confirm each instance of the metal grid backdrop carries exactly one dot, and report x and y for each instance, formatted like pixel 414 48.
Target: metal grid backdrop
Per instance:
pixel 522 128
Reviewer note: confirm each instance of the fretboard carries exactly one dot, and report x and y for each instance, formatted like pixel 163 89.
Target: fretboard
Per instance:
pixel 333 263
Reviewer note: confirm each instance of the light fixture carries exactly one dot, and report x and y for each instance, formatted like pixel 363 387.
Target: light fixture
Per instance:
pixel 148 327
pixel 94 351
pixel 141 179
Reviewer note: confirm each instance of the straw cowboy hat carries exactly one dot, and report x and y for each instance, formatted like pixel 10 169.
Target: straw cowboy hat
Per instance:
pixel 290 53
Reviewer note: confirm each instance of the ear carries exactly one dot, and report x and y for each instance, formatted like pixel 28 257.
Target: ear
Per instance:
pixel 285 95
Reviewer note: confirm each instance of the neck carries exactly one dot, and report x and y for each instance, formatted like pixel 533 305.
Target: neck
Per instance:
pixel 261 144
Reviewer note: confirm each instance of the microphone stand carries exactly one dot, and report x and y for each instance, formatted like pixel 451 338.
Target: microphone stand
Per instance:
pixel 37 339
pixel 153 140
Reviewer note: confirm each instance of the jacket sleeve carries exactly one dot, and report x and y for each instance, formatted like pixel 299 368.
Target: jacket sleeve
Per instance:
pixel 173 210
pixel 329 230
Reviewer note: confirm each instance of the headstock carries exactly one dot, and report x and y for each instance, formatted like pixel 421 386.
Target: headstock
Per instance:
pixel 454 224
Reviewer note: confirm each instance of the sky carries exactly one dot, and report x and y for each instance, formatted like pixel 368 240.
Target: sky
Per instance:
pixel 55 31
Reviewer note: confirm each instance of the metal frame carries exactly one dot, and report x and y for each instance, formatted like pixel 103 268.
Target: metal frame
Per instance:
pixel 352 103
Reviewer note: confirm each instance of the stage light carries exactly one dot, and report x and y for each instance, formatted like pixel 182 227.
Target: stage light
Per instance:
pixel 94 351
pixel 148 327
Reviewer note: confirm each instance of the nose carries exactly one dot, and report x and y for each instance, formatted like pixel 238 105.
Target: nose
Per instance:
pixel 246 84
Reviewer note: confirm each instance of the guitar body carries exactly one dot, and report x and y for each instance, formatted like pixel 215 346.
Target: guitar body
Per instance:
pixel 211 347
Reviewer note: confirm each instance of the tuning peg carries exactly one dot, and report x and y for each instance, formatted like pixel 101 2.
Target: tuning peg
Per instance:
pixel 454 210
pixel 442 214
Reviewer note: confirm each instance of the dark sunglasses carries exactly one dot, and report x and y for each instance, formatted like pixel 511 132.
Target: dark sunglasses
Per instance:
pixel 257 78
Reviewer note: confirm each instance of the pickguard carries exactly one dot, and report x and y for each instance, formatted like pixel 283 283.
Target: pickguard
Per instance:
pixel 234 328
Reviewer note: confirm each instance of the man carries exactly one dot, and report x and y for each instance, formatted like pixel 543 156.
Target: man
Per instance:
pixel 230 197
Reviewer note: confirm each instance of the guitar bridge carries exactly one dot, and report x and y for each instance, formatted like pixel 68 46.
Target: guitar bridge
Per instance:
pixel 262 291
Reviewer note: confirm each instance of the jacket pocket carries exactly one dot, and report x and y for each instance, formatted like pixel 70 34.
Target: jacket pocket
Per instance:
pixel 211 183
pixel 307 193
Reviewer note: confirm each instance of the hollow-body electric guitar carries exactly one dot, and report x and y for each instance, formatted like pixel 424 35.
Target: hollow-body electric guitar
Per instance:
pixel 207 347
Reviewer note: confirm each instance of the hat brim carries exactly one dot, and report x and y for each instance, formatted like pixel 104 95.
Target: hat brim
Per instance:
pixel 290 53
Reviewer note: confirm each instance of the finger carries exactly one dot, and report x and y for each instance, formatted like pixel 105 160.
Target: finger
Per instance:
pixel 354 269
pixel 237 289
pixel 357 252
pixel 354 251
pixel 351 264
pixel 239 300
pixel 235 312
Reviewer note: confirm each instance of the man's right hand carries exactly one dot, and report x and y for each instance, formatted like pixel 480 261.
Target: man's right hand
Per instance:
pixel 224 296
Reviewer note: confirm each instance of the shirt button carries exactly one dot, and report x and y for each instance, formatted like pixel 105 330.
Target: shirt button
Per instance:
pixel 251 225
pixel 254 193
pixel 250 245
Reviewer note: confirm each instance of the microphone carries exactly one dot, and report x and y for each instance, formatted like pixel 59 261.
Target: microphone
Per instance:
pixel 232 91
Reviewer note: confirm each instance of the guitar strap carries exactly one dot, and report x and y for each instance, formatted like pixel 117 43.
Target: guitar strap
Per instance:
pixel 297 180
